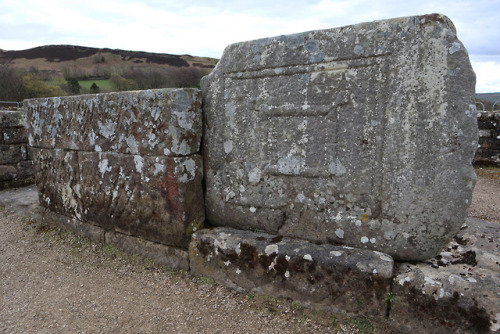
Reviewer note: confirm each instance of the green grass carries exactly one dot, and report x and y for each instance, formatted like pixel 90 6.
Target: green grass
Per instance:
pixel 104 84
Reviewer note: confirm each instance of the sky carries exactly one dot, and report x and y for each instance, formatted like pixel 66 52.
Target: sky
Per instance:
pixel 206 27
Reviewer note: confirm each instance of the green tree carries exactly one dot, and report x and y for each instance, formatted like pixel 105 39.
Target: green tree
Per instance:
pixel 35 87
pixel 73 86
pixel 122 84
pixel 94 89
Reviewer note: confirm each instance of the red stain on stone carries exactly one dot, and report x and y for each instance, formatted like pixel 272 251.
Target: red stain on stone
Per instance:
pixel 169 184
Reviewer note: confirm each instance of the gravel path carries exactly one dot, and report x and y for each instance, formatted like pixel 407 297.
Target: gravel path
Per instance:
pixel 55 282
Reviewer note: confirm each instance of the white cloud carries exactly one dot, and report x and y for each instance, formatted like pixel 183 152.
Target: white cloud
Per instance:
pixel 206 27
pixel 487 73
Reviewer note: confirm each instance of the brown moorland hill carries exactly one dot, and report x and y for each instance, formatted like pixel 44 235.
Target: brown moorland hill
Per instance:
pixel 56 58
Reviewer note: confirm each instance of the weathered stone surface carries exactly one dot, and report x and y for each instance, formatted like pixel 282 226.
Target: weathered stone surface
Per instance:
pixel 12 136
pixel 361 135
pixel 16 168
pixel 12 154
pixel 156 198
pixel 17 175
pixel 336 278
pixel 164 122
pixel 12 119
pixel 458 291
pixel 57 180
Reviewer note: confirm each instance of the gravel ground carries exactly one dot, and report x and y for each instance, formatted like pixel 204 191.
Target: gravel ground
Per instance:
pixel 55 282
pixel 486 196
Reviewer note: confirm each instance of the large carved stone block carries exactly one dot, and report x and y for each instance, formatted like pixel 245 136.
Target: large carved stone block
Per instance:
pixel 126 162
pixel 361 135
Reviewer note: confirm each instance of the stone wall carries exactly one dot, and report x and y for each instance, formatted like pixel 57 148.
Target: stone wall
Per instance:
pixel 16 167
pixel 127 163
pixel 488 152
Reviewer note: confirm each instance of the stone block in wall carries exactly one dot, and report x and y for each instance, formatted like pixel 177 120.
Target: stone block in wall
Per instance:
pixel 17 175
pixel 333 278
pixel 15 156
pixel 12 136
pixel 488 152
pixel 133 167
pixel 12 154
pixel 458 291
pixel 12 119
pixel 156 198
pixel 57 180
pixel 164 122
pixel 361 135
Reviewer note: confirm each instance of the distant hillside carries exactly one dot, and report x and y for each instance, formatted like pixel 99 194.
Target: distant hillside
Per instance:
pixel 59 70
pixel 55 58
pixel 490 97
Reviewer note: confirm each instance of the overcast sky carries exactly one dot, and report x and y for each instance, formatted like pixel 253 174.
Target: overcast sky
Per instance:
pixel 205 28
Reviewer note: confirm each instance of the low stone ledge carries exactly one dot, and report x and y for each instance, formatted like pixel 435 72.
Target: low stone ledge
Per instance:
pixel 173 258
pixel 458 291
pixel 333 278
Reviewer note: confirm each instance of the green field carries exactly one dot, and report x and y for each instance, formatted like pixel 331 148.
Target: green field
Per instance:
pixel 104 85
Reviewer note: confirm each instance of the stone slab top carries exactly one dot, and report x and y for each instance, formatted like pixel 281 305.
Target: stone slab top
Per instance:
pixel 12 119
pixel 161 122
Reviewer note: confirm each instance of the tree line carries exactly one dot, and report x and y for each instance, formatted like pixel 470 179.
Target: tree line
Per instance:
pixel 19 84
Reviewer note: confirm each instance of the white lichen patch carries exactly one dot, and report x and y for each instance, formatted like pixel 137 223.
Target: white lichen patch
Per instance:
pixel 495 326
pixel 364 240
pixel 307 257
pixel 403 280
pixel 253 209
pixel 107 130
pixel 139 163
pixel 271 249
pixel 254 175
pixel 185 169
pixel 339 233
pixel 433 288
pixel 454 47
pixel 228 146
pixel 103 167
pixel 336 253
pixel 287 274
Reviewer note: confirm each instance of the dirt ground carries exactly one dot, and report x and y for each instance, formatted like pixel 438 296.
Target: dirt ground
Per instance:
pixel 52 281
pixel 486 196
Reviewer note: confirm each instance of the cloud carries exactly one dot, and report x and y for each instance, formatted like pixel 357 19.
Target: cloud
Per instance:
pixel 487 70
pixel 206 27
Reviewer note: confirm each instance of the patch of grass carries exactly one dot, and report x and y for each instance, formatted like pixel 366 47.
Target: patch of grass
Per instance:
pixel 205 280
pixel 2 208
pixel 389 296
pixel 364 325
